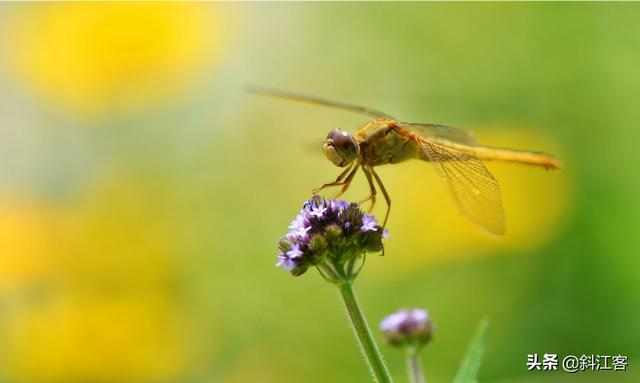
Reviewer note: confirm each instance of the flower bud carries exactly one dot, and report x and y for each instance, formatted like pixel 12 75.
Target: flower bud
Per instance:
pixel 318 247
pixel 333 233
pixel 408 328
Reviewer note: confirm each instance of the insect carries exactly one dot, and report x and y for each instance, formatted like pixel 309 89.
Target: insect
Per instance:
pixel 453 152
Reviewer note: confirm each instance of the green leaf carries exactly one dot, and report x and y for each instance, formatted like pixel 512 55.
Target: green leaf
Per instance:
pixel 468 371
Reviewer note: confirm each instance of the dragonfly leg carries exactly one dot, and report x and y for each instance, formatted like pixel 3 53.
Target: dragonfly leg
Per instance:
pixel 347 181
pixel 337 182
pixel 372 188
pixel 385 194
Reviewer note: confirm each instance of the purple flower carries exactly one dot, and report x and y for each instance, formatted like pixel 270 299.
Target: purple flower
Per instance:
pixel 317 211
pixel 299 227
pixel 300 233
pixel 408 327
pixel 297 223
pixel 295 251
pixel 338 205
pixel 369 223
pixel 286 262
pixel 327 234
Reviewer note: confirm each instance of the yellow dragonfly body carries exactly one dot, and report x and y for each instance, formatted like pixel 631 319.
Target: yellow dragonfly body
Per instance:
pixel 452 151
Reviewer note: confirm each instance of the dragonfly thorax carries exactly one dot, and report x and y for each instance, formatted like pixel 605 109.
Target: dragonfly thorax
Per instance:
pixel 340 148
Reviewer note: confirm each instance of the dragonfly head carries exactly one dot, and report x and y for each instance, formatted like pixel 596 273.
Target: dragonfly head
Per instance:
pixel 340 148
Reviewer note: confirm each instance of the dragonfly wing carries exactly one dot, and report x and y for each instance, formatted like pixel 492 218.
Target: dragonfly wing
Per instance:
pixel 319 101
pixel 312 146
pixel 438 131
pixel 474 188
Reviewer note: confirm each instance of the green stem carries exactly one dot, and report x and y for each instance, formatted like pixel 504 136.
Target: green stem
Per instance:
pixel 414 367
pixel 364 336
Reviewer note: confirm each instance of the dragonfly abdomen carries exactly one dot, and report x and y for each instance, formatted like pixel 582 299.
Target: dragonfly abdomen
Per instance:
pixel 488 153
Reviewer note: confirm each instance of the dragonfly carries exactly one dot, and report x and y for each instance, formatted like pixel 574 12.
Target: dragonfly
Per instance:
pixel 453 152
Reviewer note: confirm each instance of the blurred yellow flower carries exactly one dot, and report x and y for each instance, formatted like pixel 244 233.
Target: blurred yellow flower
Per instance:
pixel 26 242
pixel 106 57
pixel 428 228
pixel 108 309
pixel 120 235
pixel 86 339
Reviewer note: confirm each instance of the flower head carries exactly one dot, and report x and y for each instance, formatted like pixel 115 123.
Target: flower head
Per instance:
pixel 331 235
pixel 412 328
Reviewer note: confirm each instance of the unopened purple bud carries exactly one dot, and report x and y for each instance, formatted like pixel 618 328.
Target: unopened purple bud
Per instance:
pixel 406 327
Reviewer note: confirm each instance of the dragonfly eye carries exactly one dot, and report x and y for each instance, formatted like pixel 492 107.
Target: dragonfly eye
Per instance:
pixel 341 148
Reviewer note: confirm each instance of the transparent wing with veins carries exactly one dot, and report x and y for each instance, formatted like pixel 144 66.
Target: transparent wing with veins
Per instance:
pixel 474 188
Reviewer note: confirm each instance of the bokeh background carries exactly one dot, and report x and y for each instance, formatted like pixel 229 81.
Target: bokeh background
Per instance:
pixel 142 191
